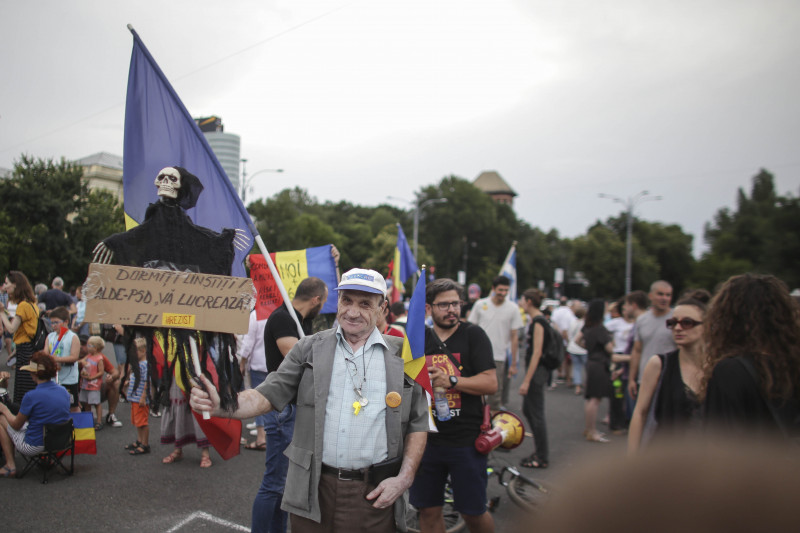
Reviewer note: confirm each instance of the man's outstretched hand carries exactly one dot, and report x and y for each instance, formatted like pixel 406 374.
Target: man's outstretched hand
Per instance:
pixel 205 398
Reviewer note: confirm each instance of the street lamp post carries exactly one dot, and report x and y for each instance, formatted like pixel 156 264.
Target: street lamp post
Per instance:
pixel 245 183
pixel 417 208
pixel 629 204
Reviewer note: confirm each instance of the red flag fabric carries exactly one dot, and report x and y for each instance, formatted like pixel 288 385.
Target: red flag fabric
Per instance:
pixel 222 433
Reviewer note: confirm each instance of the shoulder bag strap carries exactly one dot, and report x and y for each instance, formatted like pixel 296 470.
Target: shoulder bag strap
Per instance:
pixel 446 351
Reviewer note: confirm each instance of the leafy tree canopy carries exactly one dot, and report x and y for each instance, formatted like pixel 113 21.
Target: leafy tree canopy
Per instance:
pixel 54 222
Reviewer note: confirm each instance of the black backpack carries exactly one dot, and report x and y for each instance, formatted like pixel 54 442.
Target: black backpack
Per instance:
pixel 552 345
pixel 43 329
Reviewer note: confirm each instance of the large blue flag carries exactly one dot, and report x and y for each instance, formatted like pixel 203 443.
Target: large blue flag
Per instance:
pixel 509 270
pixel 160 132
pixel 403 266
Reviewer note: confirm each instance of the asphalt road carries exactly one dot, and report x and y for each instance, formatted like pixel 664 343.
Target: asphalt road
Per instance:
pixel 119 492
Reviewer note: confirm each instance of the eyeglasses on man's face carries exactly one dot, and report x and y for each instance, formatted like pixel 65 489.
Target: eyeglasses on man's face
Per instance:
pixel 444 306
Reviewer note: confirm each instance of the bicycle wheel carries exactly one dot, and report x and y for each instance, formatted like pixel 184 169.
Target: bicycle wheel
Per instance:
pixel 527 493
pixel 453 522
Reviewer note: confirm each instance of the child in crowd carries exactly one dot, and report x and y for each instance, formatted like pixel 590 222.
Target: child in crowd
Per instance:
pixel 138 393
pixel 92 370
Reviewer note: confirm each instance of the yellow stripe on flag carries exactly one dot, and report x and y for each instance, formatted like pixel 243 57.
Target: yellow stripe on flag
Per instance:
pixel 414 368
pixel 293 268
pixel 129 222
pixel 84 434
pixel 398 284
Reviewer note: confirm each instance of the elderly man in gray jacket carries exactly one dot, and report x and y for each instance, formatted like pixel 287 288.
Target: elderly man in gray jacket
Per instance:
pixel 361 424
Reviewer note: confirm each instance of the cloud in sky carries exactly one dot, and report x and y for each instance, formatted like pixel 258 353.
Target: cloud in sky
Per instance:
pixel 353 99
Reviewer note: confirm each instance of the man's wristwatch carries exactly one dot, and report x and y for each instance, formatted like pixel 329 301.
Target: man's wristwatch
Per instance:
pixel 453 381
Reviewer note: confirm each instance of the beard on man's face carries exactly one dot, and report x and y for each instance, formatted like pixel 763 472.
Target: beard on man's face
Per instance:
pixel 448 321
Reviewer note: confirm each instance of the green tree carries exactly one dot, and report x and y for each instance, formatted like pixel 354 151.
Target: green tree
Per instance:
pixel 290 221
pixel 666 244
pixel 761 235
pixel 53 222
pixel 469 216
pixel 99 216
pixel 600 255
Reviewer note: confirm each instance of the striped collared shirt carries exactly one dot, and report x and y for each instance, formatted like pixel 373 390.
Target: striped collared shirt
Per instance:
pixel 356 440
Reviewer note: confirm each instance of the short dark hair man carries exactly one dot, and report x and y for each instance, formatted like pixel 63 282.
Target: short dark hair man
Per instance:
pixel 501 320
pixel 360 418
pixel 280 336
pixel 452 449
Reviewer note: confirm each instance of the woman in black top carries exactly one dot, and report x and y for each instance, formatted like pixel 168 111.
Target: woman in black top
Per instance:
pixel 599 345
pixel 535 379
pixel 680 371
pixel 755 325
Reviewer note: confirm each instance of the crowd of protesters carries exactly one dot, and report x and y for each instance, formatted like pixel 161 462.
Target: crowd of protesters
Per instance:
pixel 726 362
pixel 714 364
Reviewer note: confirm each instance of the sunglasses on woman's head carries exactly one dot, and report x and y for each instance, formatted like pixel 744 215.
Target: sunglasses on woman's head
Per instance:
pixel 686 323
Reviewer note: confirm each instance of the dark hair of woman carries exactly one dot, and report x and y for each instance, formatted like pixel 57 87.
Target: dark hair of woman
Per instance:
pixel 699 304
pixel 23 292
pixel 700 295
pixel 50 370
pixel 594 315
pixel 755 316
pixel 534 296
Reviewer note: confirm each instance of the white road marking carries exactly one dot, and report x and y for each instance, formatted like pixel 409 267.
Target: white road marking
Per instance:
pixel 200 515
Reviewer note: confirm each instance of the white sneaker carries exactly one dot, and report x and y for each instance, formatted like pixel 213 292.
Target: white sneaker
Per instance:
pixel 113 421
pixel 251 425
pixel 254 432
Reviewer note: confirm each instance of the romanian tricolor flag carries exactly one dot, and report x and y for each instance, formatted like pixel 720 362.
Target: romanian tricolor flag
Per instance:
pixel 84 433
pixel 293 267
pixel 414 342
pixel 403 266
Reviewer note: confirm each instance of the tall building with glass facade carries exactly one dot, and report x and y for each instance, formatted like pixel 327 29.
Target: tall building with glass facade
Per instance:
pixel 226 146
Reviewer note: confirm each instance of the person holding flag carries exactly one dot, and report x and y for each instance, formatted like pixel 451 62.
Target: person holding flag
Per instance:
pixel 460 359
pixel 361 422
pixel 402 267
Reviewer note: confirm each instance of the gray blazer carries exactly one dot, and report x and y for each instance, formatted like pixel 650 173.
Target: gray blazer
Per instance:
pixel 305 375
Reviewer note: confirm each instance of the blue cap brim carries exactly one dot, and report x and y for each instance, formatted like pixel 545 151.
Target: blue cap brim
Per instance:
pixel 362 288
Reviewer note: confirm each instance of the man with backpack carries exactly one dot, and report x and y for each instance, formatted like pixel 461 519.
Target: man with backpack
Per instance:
pixel 544 352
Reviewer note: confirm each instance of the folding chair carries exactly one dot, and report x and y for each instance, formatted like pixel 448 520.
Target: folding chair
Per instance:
pixel 59 439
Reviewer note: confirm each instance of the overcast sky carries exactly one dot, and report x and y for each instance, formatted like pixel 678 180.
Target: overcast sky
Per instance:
pixel 360 100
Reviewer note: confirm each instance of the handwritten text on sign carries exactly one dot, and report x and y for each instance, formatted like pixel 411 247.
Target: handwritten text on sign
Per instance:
pixel 164 298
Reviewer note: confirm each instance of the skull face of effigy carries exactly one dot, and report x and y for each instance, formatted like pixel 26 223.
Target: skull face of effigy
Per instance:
pixel 168 182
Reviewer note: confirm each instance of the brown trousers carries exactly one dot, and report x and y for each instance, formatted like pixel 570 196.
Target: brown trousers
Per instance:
pixel 345 509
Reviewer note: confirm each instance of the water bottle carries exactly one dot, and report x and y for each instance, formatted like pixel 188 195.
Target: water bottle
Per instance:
pixel 440 402
pixel 618 392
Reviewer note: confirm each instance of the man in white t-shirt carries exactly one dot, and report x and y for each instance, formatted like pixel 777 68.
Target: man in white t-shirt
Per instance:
pixel 563 318
pixel 501 320
pixel 652 335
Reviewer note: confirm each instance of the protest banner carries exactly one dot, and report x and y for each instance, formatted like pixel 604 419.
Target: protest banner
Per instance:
pixel 149 297
pixel 293 267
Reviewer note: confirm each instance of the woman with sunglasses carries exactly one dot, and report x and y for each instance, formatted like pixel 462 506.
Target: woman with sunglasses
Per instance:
pixel 668 396
pixel 751 380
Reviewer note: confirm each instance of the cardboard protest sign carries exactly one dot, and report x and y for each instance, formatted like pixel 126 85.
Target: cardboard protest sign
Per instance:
pixel 164 298
pixel 293 267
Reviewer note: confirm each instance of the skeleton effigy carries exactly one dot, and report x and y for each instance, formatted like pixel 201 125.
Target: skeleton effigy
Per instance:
pixel 167 239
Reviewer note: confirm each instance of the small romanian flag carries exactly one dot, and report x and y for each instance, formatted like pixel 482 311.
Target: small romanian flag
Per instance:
pixel 414 342
pixel 84 433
